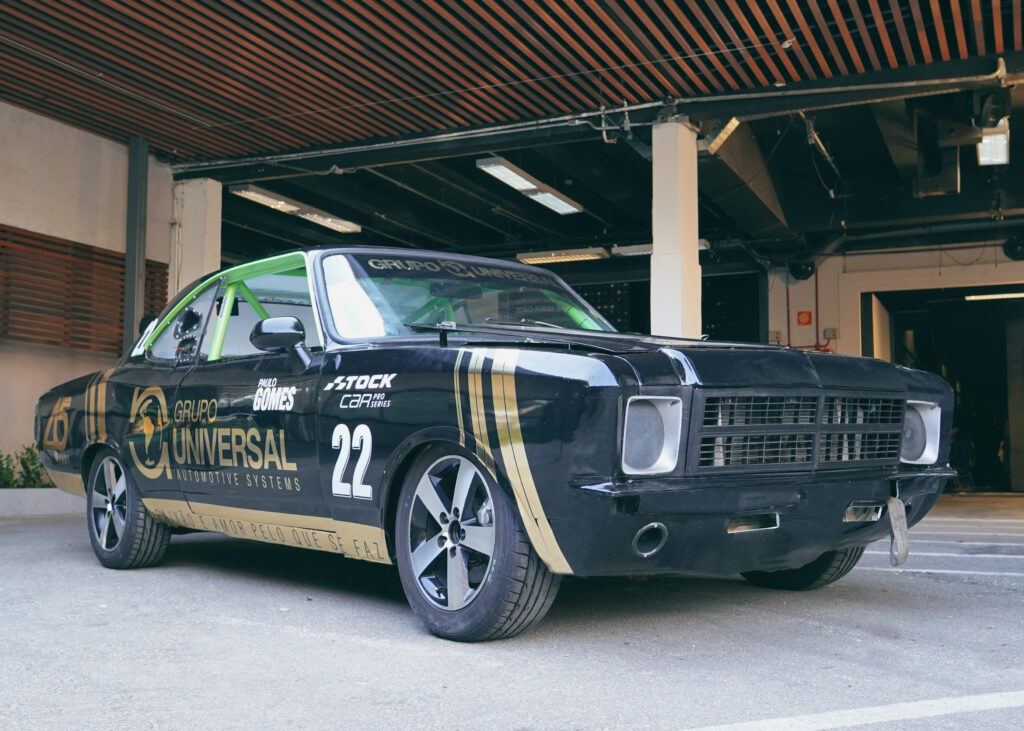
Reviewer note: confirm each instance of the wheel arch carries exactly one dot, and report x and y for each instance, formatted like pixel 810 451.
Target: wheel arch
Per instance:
pixel 88 457
pixel 90 452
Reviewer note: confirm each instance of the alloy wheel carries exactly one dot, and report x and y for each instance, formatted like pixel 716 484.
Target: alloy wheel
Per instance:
pixel 451 532
pixel 109 501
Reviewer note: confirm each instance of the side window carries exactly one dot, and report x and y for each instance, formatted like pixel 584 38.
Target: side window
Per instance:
pixel 254 299
pixel 178 337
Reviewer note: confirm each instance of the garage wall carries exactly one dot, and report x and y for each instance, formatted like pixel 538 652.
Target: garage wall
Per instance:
pixel 61 181
pixel 842 279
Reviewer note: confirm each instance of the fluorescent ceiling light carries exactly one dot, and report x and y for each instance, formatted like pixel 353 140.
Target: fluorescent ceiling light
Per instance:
pixel 645 249
pixel 264 198
pixel 559 257
pixel 994 148
pixel 637 250
pixel 337 224
pixel 287 205
pixel 515 177
pixel 1000 296
pixel 555 201
pixel 508 173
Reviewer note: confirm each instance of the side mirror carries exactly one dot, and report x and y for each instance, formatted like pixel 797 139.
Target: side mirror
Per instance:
pixel 277 334
pixel 280 334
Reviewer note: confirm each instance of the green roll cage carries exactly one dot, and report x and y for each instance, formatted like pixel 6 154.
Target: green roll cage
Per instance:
pixel 233 281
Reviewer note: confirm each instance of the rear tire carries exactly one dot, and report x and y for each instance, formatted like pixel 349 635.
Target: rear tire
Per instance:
pixel 828 567
pixel 123 534
pixel 466 564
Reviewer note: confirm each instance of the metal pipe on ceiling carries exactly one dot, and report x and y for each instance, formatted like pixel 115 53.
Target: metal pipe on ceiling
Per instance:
pixel 461 135
pixel 920 87
pixel 995 228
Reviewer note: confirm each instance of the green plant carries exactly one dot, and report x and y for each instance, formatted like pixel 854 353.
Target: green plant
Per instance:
pixel 32 472
pixel 23 469
pixel 8 471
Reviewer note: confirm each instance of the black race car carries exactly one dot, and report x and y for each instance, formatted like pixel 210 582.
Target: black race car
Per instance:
pixel 481 426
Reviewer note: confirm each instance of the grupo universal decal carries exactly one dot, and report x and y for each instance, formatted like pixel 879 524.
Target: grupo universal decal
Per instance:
pixel 199 450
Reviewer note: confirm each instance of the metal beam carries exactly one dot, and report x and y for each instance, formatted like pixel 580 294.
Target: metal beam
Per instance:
pixel 135 238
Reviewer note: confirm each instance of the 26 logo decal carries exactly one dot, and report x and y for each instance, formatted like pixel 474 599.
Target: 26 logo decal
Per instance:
pixel 55 435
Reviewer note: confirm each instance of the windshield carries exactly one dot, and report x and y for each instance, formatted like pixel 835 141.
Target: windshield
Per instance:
pixel 377 296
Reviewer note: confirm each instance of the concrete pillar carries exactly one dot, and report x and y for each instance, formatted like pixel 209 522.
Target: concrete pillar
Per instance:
pixel 1015 399
pixel 675 268
pixel 195 243
pixel 135 237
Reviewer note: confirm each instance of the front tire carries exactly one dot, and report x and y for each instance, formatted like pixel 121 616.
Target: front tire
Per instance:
pixel 123 534
pixel 828 567
pixel 466 564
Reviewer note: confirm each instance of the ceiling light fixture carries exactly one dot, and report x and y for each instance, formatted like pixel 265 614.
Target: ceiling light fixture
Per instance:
pixel 264 198
pixel 514 177
pixel 563 256
pixel 636 250
pixel 507 173
pixel 648 249
pixel 1000 296
pixel 287 205
pixel 994 148
pixel 336 224
pixel 555 201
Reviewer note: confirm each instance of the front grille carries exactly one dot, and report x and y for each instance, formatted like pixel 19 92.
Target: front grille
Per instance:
pixel 747 450
pixel 753 410
pixel 848 447
pixel 858 410
pixel 743 431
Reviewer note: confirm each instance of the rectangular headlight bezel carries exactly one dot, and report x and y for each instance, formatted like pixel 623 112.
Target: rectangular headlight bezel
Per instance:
pixel 931 415
pixel 670 409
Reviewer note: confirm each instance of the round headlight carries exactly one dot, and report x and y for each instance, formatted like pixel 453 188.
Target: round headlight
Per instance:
pixel 915 436
pixel 645 435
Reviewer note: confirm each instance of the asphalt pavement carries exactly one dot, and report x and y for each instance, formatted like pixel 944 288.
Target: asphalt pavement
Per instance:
pixel 233 634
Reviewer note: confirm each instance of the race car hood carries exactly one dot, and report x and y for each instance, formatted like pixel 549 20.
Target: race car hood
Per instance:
pixel 660 361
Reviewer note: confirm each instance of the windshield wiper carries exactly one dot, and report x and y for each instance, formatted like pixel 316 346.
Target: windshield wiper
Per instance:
pixel 522 321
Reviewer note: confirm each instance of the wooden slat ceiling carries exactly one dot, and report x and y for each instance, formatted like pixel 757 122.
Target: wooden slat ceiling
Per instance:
pixel 204 79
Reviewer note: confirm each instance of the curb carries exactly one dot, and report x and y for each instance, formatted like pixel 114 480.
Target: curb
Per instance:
pixel 19 502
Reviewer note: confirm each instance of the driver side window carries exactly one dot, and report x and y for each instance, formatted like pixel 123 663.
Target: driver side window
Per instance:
pixel 178 340
pixel 278 294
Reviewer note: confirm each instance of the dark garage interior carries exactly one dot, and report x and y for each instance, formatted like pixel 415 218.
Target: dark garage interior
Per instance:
pixel 965 341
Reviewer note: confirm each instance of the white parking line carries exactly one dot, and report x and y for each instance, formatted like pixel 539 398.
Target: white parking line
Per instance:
pixel 968 519
pixel 950 555
pixel 914 533
pixel 1019 544
pixel 883 714
pixel 939 571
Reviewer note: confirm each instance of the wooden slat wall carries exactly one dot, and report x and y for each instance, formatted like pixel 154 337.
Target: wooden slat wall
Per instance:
pixel 58 292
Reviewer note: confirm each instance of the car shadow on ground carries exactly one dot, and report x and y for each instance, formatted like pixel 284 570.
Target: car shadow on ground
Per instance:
pixel 600 600
pixel 284 565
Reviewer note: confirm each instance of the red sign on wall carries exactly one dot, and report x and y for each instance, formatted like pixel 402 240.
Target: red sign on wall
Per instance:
pixel 804 317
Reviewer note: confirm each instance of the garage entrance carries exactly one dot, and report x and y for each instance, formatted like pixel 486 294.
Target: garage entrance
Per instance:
pixel 963 335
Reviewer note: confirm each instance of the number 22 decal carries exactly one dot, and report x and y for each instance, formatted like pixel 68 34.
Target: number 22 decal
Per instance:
pixel 345 441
